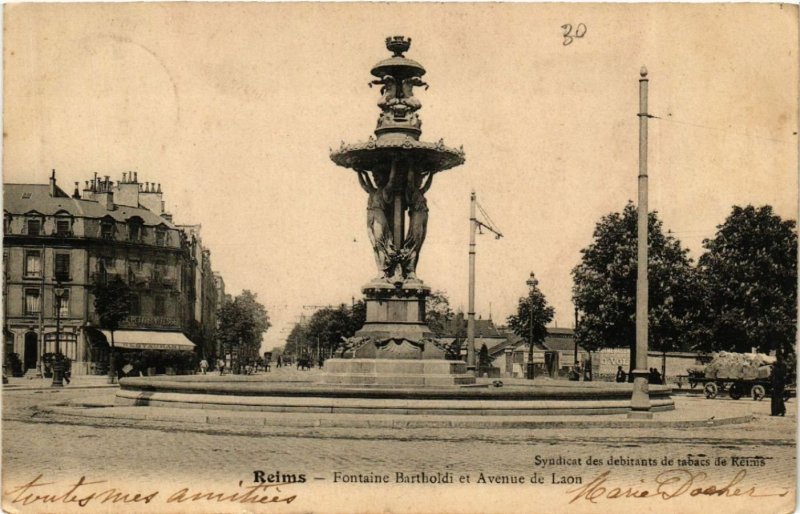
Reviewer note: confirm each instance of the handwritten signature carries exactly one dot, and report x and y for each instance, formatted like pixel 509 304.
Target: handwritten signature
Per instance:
pixel 83 492
pixel 669 484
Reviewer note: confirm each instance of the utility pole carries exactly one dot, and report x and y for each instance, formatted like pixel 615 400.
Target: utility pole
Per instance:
pixel 475 226
pixel 640 398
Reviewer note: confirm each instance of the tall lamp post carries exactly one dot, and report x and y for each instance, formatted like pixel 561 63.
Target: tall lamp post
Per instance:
pixel 58 364
pixel 531 284
pixel 575 336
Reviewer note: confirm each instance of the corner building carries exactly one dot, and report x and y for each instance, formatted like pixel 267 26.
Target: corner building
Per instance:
pixel 54 240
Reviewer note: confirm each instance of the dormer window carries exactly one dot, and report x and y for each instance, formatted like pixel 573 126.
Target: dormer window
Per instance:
pixel 63 227
pixel 161 236
pixel 107 229
pixel 135 230
pixel 34 226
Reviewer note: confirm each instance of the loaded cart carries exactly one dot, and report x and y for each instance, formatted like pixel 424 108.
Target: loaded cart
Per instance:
pixel 738 374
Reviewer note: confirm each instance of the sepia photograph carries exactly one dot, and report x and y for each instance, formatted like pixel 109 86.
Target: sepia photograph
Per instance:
pixel 399 257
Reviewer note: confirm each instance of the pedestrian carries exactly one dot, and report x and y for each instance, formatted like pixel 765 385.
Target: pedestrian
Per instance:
pixel 621 375
pixel 203 366
pixel 657 377
pixel 575 373
pixel 221 366
pixel 778 379
pixel 280 361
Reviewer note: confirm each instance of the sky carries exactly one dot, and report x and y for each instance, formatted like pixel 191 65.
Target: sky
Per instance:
pixel 233 109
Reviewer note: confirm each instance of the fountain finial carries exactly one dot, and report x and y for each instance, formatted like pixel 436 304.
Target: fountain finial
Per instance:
pixel 397 45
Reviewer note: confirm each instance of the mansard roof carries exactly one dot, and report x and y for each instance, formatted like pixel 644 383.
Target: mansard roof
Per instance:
pixel 23 198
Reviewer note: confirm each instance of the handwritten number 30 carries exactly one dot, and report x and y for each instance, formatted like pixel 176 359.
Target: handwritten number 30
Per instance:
pixel 570 36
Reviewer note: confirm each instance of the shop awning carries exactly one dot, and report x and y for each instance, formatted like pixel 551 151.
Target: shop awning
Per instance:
pixel 149 340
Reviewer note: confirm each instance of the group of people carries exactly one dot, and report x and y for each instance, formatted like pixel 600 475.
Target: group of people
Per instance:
pixel 249 369
pixel 654 377
pixel 576 370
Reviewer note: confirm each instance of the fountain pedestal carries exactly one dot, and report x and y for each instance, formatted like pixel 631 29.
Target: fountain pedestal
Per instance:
pixel 395 345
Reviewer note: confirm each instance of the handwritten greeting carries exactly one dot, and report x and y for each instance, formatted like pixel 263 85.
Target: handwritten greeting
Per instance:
pixel 84 492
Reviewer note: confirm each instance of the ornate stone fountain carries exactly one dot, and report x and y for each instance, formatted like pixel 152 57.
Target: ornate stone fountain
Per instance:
pixel 396 169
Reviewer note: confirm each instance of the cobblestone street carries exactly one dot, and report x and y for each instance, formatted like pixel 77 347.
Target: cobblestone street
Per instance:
pixel 35 442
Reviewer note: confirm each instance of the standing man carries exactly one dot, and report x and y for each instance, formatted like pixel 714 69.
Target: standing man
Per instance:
pixel 778 386
pixel 203 366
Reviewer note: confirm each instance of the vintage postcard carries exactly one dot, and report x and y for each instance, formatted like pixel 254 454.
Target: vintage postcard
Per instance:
pixel 399 257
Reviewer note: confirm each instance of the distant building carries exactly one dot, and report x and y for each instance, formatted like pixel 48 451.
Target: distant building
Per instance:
pixel 554 356
pixel 54 240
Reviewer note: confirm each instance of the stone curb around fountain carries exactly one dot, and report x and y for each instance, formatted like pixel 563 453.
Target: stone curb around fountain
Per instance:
pixel 103 409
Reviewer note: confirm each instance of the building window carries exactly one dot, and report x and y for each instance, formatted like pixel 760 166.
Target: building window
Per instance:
pixel 107 229
pixel 159 308
pixel 161 237
pixel 63 227
pixel 33 263
pixel 64 302
pixel 134 230
pixel 134 270
pixel 136 307
pixel 104 264
pixel 33 304
pixel 34 227
pixel 158 271
pixel 62 267
pixel 7 224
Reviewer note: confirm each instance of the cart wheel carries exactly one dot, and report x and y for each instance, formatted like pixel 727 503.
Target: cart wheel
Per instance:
pixel 735 391
pixel 758 392
pixel 711 390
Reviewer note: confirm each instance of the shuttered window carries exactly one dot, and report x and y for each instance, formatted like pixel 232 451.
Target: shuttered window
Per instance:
pixel 33 263
pixel 62 267
pixel 33 304
pixel 34 227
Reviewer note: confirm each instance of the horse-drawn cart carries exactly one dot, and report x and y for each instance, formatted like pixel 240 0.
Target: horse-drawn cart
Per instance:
pixel 737 375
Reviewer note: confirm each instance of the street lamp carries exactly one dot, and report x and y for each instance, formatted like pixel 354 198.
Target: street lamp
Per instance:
pixel 575 336
pixel 58 364
pixel 531 284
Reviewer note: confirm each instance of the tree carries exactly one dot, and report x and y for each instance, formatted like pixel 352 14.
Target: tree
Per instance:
pixel 296 340
pixel 533 315
pixel 604 287
pixel 112 304
pixel 358 315
pixel 438 313
pixel 242 324
pixel 326 327
pixel 749 277
pixel 483 357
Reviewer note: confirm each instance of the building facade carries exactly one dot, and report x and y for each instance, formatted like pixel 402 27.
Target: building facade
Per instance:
pixel 57 247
